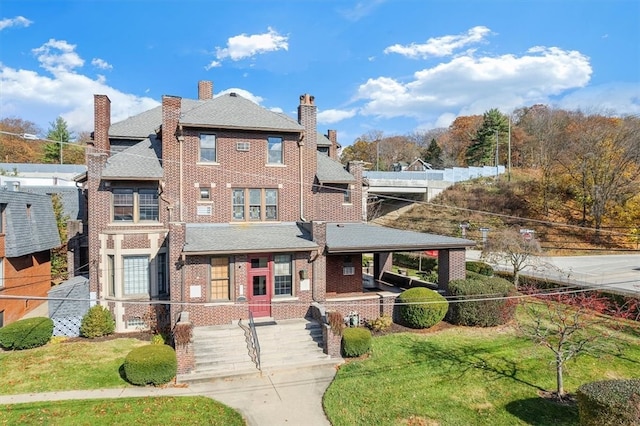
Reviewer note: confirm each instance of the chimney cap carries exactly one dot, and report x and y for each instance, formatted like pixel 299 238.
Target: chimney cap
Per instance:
pixel 307 99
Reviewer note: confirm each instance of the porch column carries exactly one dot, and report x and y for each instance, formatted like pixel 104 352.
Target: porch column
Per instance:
pixel 381 262
pixel 451 266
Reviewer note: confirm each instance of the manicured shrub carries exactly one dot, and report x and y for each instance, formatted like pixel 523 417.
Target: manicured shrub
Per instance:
pixel 421 307
pixel 356 341
pixel 151 365
pixel 381 323
pixel 157 339
pixel 97 322
pixel 27 333
pixel 609 403
pixel 479 268
pixel 485 313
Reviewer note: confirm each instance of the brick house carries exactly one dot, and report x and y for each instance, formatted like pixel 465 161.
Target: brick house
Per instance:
pixel 28 232
pixel 216 207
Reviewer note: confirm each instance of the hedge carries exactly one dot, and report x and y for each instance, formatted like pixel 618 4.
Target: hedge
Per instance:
pixel 27 333
pixel 485 313
pixel 421 307
pixel 151 365
pixel 356 341
pixel 609 403
pixel 479 268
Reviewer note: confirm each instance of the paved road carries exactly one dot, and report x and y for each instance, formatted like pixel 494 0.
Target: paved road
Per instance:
pixel 620 273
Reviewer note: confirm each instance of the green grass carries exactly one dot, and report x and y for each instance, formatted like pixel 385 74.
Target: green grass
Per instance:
pixel 466 376
pixel 125 411
pixel 65 366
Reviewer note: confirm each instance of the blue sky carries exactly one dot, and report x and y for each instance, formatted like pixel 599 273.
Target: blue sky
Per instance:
pixel 395 66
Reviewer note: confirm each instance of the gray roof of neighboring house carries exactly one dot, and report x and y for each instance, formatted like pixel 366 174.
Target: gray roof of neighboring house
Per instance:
pixel 28 232
pixel 141 161
pixel 332 171
pixel 73 202
pixel 361 237
pixel 322 140
pixel 32 169
pixel 246 238
pixel 232 111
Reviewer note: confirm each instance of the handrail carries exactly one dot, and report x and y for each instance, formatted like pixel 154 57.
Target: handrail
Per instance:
pixel 256 343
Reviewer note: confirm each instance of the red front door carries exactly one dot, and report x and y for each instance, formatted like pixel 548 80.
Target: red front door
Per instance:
pixel 260 286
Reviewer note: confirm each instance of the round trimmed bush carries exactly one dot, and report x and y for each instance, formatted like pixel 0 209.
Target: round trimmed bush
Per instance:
pixel 421 307
pixel 483 313
pixel 151 365
pixel 97 322
pixel 356 341
pixel 27 333
pixel 609 403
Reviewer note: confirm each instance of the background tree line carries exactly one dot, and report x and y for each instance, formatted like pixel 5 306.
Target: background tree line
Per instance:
pixel 593 159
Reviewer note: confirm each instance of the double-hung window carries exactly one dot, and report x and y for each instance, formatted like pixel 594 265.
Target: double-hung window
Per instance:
pixel 274 155
pixel 255 204
pixel 283 280
pixel 207 148
pixel 220 289
pixel 135 278
pixel 135 204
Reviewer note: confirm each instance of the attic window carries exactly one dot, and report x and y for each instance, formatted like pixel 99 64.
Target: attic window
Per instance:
pixel 243 146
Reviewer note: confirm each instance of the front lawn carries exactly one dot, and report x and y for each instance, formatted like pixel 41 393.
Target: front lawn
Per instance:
pixel 466 376
pixel 65 366
pixel 125 411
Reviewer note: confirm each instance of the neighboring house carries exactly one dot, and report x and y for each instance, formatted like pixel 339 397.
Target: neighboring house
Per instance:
pixel 218 207
pixel 28 232
pixel 418 165
pixel 58 179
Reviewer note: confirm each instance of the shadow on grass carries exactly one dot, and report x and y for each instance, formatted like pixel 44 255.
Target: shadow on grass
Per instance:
pixel 463 360
pixel 540 412
pixel 123 375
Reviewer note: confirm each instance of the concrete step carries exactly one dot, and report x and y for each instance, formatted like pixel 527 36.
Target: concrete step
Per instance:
pixel 221 351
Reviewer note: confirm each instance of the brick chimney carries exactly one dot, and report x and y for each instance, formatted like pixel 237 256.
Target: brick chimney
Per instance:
pixel 307 117
pixel 332 135
pixel 101 123
pixel 205 90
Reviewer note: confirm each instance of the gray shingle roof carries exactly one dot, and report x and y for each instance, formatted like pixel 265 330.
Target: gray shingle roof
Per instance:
pixel 331 171
pixel 141 161
pixel 322 140
pixel 146 123
pixel 246 238
pixel 31 232
pixel 73 202
pixel 232 111
pixel 361 237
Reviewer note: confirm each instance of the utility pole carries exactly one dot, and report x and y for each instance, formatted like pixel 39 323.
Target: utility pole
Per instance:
pixel 509 155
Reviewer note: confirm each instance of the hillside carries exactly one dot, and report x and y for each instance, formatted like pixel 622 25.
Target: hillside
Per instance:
pixel 487 203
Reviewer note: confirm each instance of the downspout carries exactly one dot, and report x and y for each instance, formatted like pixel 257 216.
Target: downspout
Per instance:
pixel 300 147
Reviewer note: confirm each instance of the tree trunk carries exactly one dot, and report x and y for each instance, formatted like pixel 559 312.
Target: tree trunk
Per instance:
pixel 559 378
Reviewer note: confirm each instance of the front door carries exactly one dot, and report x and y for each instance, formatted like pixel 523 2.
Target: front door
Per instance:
pixel 260 286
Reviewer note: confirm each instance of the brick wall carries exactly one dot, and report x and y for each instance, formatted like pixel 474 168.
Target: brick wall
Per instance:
pixel 24 275
pixel 337 282
pixel 451 266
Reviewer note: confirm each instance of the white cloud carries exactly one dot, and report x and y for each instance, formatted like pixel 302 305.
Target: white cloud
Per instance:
pixel 245 46
pixel 18 21
pixel 213 64
pixel 40 98
pixel 58 56
pixel 335 115
pixel 244 93
pixel 615 98
pixel 101 64
pixel 441 46
pixel 470 85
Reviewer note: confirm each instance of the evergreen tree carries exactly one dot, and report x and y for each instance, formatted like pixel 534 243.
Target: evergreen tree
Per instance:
pixel 433 155
pixel 494 128
pixel 58 132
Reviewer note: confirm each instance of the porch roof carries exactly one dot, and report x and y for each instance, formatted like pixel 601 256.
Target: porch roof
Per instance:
pixel 361 238
pixel 246 238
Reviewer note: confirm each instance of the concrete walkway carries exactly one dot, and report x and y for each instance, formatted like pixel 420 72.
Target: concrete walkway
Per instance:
pixel 291 397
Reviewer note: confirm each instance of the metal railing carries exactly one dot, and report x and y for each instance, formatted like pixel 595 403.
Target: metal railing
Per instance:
pixel 255 342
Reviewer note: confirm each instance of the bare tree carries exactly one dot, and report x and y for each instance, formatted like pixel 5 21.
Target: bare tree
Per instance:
pixel 514 249
pixel 566 325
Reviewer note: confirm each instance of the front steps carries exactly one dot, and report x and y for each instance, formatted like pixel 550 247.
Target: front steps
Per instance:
pixel 222 351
